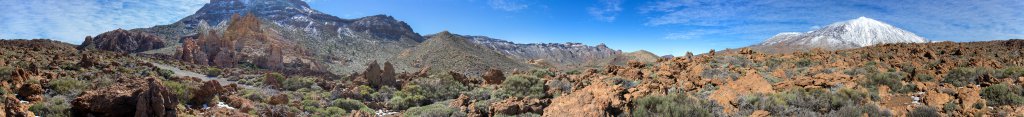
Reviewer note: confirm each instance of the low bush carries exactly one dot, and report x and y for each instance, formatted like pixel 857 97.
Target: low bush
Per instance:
pixel 56 106
pixel 212 72
pixel 348 104
pixel 427 90
pixel 673 105
pixel 924 111
pixel 297 83
pixel 963 76
pixel 1003 94
pixel 183 91
pixel 433 110
pixel 522 86
pixel 67 86
pixel 892 79
pixel 5 73
pixel 810 102
pixel 165 73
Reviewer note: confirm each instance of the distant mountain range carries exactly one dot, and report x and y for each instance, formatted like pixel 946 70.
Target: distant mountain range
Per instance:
pixel 309 39
pixel 860 32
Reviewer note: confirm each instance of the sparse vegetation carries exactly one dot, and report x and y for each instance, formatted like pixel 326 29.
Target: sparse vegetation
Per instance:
pixel 212 72
pixel 1003 94
pixel 68 86
pixel 671 106
pixel 523 86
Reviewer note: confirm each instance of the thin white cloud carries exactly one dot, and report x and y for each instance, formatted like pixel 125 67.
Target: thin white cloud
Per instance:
pixel 508 5
pixel 71 20
pixel 934 19
pixel 607 11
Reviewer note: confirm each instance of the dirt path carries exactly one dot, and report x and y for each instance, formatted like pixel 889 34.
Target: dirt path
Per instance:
pixel 222 81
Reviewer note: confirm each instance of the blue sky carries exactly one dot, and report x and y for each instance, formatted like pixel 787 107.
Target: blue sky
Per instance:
pixel 660 26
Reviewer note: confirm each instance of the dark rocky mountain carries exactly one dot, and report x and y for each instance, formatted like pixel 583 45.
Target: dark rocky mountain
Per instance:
pixel 123 41
pixel 336 44
pixel 312 40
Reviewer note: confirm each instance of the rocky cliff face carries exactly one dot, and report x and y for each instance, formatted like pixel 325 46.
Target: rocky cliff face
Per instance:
pixel 335 44
pixel 244 40
pixel 561 55
pixel 123 41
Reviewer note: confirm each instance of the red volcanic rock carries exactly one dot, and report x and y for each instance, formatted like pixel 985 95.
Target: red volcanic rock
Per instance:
pixel 208 91
pixel 127 98
pixel 278 99
pixel 31 92
pixel 121 40
pixel 156 101
pixel 493 76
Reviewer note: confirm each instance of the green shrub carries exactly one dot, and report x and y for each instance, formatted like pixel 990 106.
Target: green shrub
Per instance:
pixel 892 79
pixel 924 111
pixel 858 110
pixel 402 102
pixel 540 73
pixel 804 63
pixel 963 76
pixel 673 105
pixel 809 102
pixel 297 83
pixel 213 72
pixel 333 111
pixel 67 86
pixel 165 73
pixel 951 107
pixel 1002 94
pixel 522 86
pixel 433 110
pixel 348 104
pixel 183 91
pixel 56 106
pixel 1010 72
pixel 5 73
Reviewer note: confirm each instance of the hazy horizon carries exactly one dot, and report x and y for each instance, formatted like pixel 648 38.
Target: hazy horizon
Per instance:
pixel 661 27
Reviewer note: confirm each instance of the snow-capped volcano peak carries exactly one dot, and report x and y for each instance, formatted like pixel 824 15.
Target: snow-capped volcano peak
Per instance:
pixel 853 33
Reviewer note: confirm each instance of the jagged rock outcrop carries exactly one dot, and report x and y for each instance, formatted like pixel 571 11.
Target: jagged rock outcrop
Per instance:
pixel 596 100
pixel 516 105
pixel 243 40
pixel 156 101
pixel 127 98
pixel 121 40
pixel 11 108
pixel 210 89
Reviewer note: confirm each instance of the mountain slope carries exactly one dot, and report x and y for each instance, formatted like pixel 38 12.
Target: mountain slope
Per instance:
pixel 567 55
pixel 335 44
pixel 448 52
pixel 860 32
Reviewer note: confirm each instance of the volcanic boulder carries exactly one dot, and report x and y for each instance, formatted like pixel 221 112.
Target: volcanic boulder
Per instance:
pixel 209 90
pixel 493 76
pixel 121 40
pixel 156 101
pixel 127 98
pixel 31 92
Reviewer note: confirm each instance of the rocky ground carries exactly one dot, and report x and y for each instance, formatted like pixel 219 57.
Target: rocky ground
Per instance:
pixel 49 78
